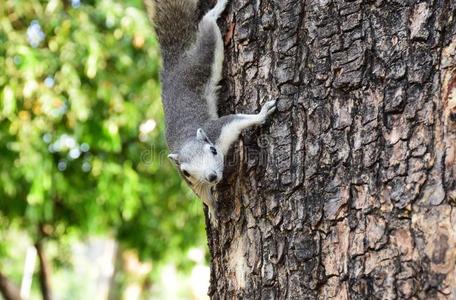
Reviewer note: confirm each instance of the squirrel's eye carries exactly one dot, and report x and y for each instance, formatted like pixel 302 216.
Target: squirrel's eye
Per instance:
pixel 185 173
pixel 213 150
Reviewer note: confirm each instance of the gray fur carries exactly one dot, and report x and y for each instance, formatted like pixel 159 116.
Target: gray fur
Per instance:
pixel 175 22
pixel 192 57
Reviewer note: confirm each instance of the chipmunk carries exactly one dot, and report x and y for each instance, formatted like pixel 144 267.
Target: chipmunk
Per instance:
pixel 192 53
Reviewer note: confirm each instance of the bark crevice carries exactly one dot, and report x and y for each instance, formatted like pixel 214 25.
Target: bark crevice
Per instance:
pixel 349 191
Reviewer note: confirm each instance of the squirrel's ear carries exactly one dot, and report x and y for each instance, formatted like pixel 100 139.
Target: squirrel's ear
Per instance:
pixel 174 157
pixel 201 135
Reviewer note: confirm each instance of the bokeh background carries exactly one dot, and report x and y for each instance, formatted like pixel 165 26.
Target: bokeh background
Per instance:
pixel 89 203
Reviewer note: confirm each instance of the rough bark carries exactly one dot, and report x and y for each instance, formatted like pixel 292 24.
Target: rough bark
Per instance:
pixel 44 272
pixel 7 289
pixel 348 193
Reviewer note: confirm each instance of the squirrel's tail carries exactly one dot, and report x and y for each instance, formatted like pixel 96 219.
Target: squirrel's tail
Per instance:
pixel 176 23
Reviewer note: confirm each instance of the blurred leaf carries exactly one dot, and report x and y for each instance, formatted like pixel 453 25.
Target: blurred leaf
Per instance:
pixel 76 83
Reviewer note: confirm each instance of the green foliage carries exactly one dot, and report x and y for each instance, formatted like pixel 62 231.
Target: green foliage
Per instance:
pixel 79 100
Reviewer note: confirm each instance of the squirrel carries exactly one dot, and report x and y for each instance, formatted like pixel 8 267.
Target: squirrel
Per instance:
pixel 192 53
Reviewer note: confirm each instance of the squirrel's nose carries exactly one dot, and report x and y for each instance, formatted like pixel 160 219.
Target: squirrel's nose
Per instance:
pixel 212 177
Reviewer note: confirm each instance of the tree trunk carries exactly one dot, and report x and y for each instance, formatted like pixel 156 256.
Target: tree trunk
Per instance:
pixel 116 284
pixel 7 289
pixel 348 192
pixel 44 272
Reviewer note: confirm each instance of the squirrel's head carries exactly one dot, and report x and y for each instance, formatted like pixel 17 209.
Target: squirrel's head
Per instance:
pixel 199 161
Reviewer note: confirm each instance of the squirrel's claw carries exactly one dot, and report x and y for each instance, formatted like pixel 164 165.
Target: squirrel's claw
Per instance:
pixel 267 109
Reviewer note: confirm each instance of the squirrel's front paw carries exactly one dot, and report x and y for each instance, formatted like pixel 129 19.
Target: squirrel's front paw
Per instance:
pixel 267 109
